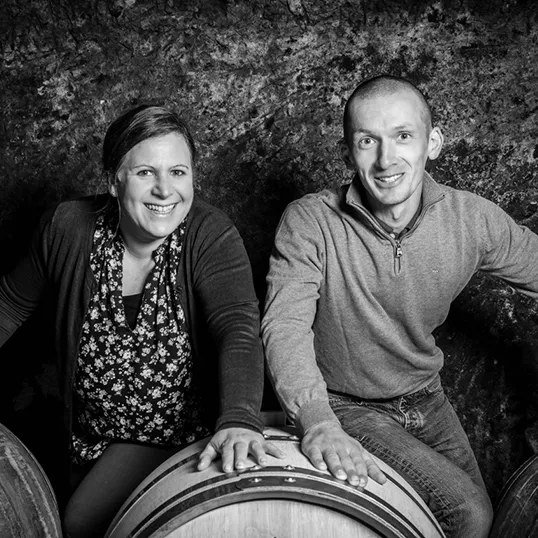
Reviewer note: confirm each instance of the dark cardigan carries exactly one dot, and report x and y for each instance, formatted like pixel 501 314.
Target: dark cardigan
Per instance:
pixel 216 290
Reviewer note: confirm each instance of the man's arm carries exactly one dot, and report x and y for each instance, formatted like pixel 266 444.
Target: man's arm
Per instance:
pixel 293 286
pixel 512 250
pixel 294 281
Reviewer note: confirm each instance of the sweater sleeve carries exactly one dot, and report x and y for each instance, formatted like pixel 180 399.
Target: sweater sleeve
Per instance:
pixel 511 250
pixel 294 281
pixel 225 291
pixel 22 288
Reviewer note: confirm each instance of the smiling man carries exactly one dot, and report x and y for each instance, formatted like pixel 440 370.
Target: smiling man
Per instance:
pixel 389 138
pixel 359 278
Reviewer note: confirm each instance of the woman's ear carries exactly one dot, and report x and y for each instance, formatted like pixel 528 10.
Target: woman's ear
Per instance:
pixel 112 181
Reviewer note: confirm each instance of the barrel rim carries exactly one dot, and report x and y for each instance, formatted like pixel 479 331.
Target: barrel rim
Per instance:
pixel 515 477
pixel 233 487
pixel 363 506
pixel 270 482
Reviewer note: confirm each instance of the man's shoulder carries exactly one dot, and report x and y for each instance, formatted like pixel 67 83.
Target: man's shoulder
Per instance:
pixel 465 198
pixel 321 200
pixel 464 208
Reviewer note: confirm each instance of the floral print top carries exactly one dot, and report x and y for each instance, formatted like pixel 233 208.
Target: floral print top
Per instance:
pixel 134 384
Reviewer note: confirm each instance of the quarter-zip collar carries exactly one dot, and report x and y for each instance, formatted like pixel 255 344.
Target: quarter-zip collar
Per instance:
pixel 431 194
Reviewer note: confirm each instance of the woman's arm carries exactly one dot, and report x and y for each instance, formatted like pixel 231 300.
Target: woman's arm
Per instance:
pixel 22 288
pixel 225 291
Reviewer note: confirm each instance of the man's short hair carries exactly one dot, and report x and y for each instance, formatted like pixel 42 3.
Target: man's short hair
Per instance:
pixel 384 84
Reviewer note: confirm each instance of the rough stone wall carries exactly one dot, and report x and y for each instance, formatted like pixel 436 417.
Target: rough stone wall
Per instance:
pixel 263 84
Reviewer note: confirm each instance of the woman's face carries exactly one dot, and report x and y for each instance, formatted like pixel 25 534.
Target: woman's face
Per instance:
pixel 155 189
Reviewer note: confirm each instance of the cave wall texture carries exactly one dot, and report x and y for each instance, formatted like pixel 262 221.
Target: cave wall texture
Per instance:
pixel 263 85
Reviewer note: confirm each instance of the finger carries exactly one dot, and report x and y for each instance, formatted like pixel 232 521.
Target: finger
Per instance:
pixel 240 455
pixel 258 452
pixel 227 455
pixel 375 472
pixel 334 464
pixel 273 450
pixel 206 457
pixel 316 458
pixel 355 470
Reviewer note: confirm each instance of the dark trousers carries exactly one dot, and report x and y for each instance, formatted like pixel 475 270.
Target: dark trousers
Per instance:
pixel 101 488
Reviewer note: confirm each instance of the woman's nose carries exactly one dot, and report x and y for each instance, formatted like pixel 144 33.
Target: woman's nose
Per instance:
pixel 162 186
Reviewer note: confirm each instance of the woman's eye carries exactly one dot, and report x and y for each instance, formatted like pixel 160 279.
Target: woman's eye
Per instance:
pixel 178 172
pixel 144 173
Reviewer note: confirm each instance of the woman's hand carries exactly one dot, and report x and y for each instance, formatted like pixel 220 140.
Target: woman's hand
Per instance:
pixel 234 445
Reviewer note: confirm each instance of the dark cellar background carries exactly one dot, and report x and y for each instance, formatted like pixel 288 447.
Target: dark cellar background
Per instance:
pixel 263 85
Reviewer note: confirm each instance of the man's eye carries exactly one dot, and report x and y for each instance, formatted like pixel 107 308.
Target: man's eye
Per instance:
pixel 365 142
pixel 405 136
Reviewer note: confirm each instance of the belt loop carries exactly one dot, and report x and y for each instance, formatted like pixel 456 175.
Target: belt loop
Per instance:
pixel 435 384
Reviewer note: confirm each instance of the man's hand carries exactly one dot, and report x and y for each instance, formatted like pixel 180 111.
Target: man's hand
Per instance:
pixel 234 445
pixel 328 446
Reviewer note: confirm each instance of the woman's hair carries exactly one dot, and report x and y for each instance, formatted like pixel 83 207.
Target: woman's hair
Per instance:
pixel 137 125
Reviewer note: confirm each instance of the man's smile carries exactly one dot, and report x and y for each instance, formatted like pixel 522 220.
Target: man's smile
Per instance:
pixel 388 179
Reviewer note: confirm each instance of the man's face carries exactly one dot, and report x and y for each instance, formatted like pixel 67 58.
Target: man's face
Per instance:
pixel 389 146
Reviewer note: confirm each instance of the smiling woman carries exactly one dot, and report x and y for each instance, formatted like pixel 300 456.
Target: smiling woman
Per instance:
pixel 157 321
pixel 154 186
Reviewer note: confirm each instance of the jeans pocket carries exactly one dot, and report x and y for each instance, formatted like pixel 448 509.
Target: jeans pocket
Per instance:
pixel 338 402
pixel 343 403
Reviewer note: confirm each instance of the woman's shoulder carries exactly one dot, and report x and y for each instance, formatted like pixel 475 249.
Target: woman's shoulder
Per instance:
pixel 204 215
pixel 74 214
pixel 84 205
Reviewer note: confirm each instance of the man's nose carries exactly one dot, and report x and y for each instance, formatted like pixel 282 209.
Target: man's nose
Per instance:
pixel 386 154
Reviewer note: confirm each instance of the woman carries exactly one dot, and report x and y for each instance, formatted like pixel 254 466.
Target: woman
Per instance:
pixel 157 322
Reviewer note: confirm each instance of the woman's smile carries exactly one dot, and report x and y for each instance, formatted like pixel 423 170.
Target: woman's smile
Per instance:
pixel 164 210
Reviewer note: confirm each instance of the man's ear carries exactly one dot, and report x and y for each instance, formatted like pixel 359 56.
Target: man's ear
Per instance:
pixel 346 154
pixel 112 189
pixel 435 143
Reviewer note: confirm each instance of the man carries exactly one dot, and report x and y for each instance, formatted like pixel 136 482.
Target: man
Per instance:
pixel 359 278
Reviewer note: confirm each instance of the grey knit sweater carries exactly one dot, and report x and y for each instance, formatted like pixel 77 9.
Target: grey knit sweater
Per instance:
pixel 352 310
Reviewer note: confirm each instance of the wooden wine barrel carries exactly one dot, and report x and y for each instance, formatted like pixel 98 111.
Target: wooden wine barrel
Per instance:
pixel 516 513
pixel 288 498
pixel 28 507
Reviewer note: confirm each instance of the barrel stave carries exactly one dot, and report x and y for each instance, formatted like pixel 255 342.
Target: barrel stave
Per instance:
pixel 28 506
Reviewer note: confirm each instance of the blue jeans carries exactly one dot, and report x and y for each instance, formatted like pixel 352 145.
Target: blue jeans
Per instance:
pixel 421 437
